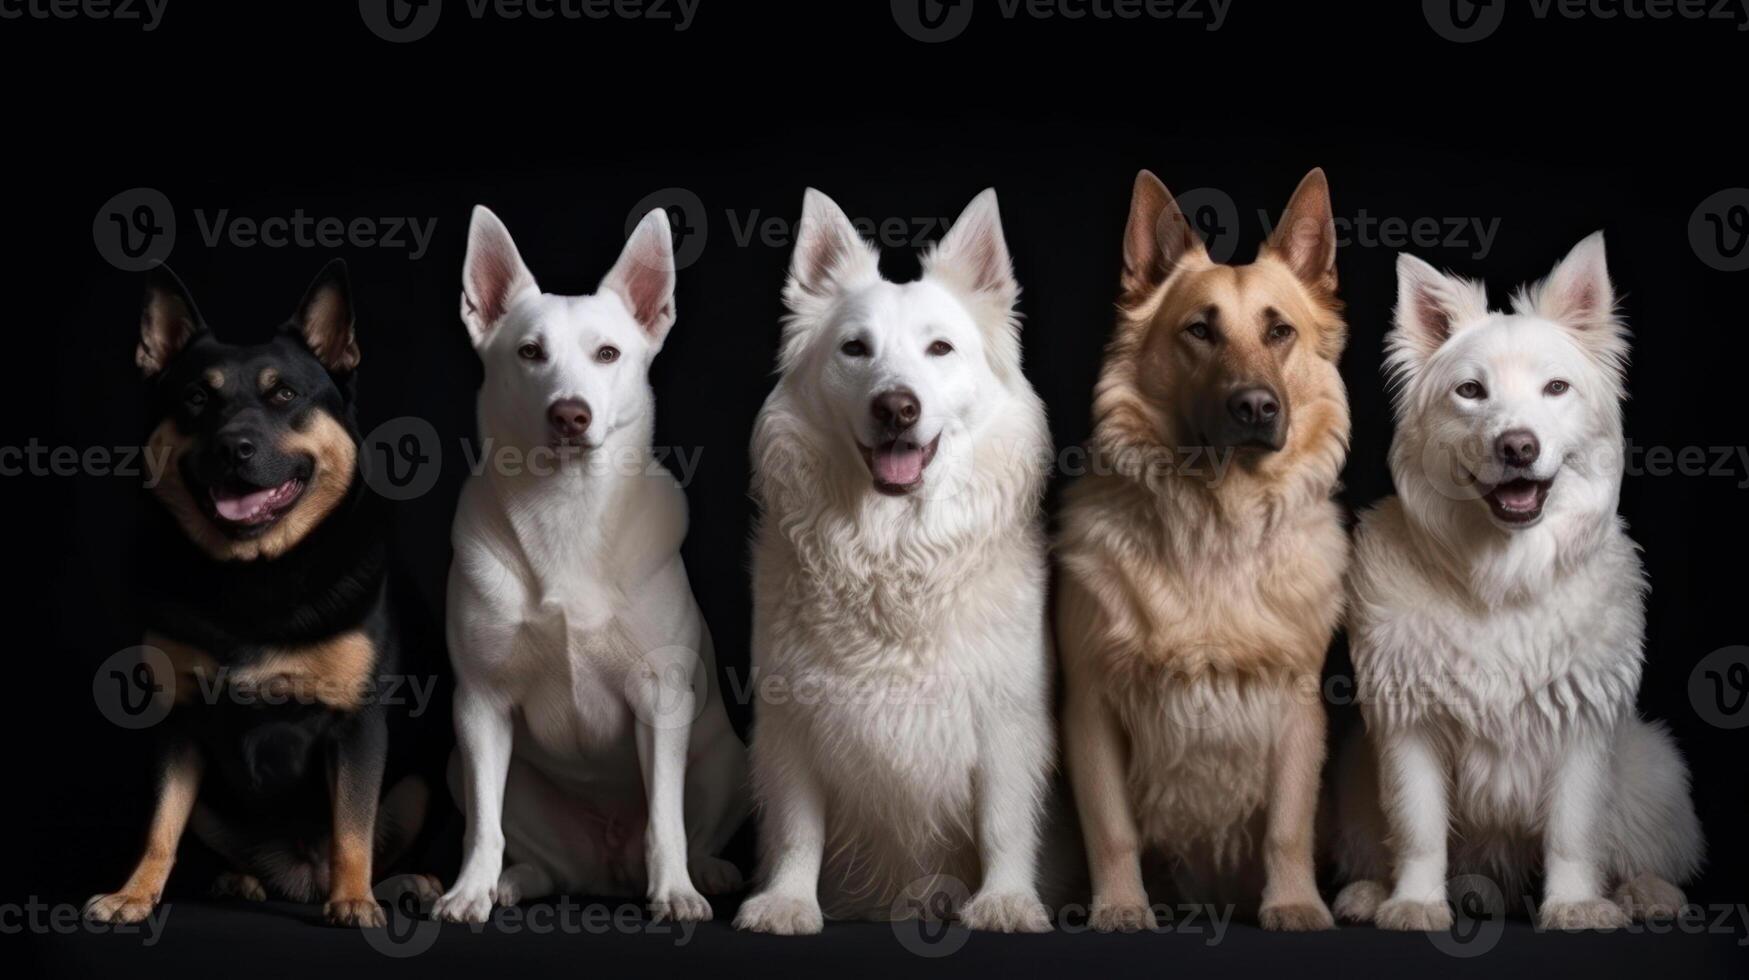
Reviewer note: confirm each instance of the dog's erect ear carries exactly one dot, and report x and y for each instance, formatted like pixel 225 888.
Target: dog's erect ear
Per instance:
pixel 493 276
pixel 324 320
pixel 829 253
pixel 974 254
pixel 1305 238
pixel 1578 293
pixel 168 321
pixel 1431 306
pixel 644 275
pixel 1157 238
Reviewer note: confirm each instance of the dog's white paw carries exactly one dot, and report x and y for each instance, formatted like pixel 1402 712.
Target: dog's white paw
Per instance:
pixel 1591 913
pixel 1360 901
pixel 464 903
pixel 715 876
pixel 780 915
pixel 1122 916
pixel 120 907
pixel 679 903
pixel 1650 897
pixel 1409 915
pixel 1005 912
pixel 1307 916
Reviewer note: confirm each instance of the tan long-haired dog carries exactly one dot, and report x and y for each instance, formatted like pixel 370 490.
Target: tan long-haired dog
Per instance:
pixel 1202 571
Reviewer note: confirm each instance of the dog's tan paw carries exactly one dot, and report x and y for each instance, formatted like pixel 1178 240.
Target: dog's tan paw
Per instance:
pixel 681 903
pixel 120 907
pixel 1409 915
pixel 355 913
pixel 1650 897
pixel 1122 916
pixel 715 876
pixel 780 915
pixel 1311 916
pixel 1592 913
pixel 1005 912
pixel 233 884
pixel 1360 901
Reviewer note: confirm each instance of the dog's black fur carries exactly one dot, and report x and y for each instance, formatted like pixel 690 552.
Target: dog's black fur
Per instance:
pixel 243 593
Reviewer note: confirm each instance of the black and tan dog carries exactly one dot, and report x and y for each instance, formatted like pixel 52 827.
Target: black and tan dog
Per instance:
pixel 267 596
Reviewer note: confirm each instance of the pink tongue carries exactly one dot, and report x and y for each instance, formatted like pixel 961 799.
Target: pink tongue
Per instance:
pixel 1517 496
pixel 898 465
pixel 240 508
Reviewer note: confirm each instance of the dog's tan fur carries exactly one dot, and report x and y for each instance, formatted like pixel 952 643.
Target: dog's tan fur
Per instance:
pixel 1195 611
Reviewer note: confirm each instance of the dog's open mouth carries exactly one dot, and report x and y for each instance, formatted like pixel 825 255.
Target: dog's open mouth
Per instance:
pixel 241 506
pixel 898 466
pixel 1518 501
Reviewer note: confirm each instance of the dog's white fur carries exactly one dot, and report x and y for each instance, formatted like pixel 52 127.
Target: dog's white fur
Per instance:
pixel 903 737
pixel 593 748
pixel 1498 666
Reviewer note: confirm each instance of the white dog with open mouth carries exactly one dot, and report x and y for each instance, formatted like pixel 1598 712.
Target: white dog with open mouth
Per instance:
pixel 903 735
pixel 1496 621
pixel 592 742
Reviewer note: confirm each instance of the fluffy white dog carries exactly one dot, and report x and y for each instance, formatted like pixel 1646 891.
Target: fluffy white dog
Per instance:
pixel 1496 620
pixel 593 745
pixel 903 732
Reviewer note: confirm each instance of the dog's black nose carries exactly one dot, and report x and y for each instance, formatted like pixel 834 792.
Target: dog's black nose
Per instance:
pixel 569 417
pixel 1519 447
pixel 236 448
pixel 1254 407
pixel 896 410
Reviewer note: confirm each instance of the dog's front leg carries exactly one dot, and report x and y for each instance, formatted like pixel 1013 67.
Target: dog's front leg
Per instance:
pixel 1290 893
pixel 177 789
pixel 1009 790
pixel 1093 744
pixel 356 770
pixel 792 830
pixel 1573 883
pixel 484 734
pixel 1412 787
pixel 664 706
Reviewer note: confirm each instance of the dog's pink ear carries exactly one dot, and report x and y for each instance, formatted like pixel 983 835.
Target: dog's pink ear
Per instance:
pixel 1578 293
pixel 493 275
pixel 1157 238
pixel 644 275
pixel 324 319
pixel 168 321
pixel 1431 306
pixel 829 252
pixel 974 254
pixel 1306 237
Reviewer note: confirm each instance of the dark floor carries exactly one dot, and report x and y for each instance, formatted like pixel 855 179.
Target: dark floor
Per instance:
pixel 611 938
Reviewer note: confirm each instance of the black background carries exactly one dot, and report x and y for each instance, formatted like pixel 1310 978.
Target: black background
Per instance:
pixel 1553 128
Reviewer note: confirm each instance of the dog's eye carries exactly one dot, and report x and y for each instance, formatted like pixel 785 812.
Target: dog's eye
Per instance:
pixel 1471 390
pixel 1557 387
pixel 1199 330
pixel 607 354
pixel 1281 333
pixel 282 395
pixel 940 348
pixel 531 351
pixel 854 348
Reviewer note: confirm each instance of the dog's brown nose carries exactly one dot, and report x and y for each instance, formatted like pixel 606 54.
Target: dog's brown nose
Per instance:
pixel 896 410
pixel 569 417
pixel 1519 447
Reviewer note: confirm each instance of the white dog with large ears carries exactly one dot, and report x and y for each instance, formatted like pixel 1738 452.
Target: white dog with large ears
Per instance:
pixel 904 731
pixel 1497 623
pixel 593 747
